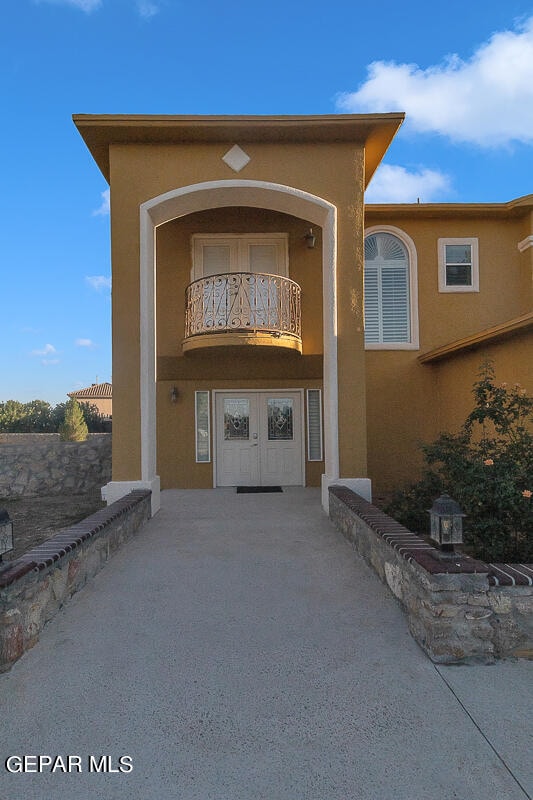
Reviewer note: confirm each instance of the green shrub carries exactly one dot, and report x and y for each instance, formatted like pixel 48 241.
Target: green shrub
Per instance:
pixel 488 468
pixel 74 427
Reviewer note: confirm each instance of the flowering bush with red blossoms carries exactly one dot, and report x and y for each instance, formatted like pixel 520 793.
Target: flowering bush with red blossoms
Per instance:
pixel 488 469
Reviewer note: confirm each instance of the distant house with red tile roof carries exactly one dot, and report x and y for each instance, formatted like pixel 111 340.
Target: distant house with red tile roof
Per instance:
pixel 99 395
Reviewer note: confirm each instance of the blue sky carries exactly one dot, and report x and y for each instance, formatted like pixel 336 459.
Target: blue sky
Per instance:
pixel 463 73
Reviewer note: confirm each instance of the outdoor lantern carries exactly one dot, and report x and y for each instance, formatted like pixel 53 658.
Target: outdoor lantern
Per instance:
pixel 310 239
pixel 446 522
pixel 6 533
pixel 174 394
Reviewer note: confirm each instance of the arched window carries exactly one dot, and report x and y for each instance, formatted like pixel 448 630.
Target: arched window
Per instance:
pixel 390 284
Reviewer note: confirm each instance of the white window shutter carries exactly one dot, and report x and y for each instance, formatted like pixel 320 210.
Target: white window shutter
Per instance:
pixel 395 304
pixel 372 305
pixel 216 259
pixel 263 258
pixel 387 301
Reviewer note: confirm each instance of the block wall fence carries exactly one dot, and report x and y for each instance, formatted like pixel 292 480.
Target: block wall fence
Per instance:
pixel 40 464
pixel 36 585
pixel 459 610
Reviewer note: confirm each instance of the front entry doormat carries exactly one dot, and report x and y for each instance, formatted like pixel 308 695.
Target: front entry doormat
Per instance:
pixel 257 489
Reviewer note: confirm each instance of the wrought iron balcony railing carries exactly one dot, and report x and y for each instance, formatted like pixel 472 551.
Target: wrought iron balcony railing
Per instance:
pixel 239 302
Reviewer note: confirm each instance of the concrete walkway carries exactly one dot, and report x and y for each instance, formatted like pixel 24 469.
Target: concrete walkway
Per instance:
pixel 238 649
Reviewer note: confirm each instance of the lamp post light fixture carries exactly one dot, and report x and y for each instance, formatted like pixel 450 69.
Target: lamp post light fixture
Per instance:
pixel 6 533
pixel 446 523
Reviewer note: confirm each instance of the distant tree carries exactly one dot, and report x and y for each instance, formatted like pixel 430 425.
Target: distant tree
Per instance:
pixel 96 422
pixel 38 417
pixel 74 427
pixel 11 412
pixel 32 417
pixel 58 415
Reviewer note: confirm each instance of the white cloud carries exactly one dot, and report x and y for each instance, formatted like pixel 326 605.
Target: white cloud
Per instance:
pixel 395 184
pixel 147 9
pixel 47 350
pixel 486 100
pixel 84 5
pixel 98 282
pixel 84 343
pixel 104 207
pixel 47 362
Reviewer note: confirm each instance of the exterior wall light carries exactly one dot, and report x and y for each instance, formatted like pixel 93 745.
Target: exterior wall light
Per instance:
pixel 446 523
pixel 6 533
pixel 174 394
pixel 310 239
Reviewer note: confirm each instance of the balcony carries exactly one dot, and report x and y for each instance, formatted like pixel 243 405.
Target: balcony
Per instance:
pixel 241 308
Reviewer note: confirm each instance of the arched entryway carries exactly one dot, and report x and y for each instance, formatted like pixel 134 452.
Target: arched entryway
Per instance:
pixel 217 194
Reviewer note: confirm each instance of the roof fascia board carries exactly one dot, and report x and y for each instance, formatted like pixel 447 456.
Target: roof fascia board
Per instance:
pixel 101 131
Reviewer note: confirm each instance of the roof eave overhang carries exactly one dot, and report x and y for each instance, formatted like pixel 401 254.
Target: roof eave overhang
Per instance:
pixel 374 131
pixel 518 207
pixel 512 327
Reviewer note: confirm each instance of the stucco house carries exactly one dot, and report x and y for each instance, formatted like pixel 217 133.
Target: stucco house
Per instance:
pixel 99 395
pixel 268 328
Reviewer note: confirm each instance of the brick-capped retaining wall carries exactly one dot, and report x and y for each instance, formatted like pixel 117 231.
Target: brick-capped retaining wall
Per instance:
pixel 41 464
pixel 459 610
pixel 35 586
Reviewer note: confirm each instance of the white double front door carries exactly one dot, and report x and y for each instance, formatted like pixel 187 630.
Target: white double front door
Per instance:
pixel 259 438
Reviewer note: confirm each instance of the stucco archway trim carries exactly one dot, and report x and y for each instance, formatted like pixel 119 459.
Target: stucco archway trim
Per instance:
pixel 216 194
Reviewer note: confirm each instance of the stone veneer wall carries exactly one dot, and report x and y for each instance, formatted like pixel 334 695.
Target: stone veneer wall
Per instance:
pixel 459 610
pixel 35 586
pixel 41 464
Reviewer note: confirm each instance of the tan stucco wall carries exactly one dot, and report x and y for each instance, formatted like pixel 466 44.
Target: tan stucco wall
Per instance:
pixel 104 405
pixel 448 316
pixel 334 172
pixel 454 377
pixel 176 432
pixel 526 265
pixel 409 403
pixel 401 399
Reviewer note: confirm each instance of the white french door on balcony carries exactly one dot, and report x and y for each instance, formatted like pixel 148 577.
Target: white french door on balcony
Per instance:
pixel 249 299
pixel 259 438
pixel 214 254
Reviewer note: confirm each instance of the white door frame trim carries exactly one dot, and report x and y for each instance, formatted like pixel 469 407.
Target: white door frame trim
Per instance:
pixel 218 194
pixel 276 390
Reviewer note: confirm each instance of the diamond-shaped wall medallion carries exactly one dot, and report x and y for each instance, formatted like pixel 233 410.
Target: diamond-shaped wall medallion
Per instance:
pixel 236 158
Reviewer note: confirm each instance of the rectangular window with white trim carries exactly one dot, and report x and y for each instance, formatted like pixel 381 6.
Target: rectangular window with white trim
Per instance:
pixel 458 264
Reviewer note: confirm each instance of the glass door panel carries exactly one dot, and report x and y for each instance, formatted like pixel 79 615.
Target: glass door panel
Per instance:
pixel 280 419
pixel 236 419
